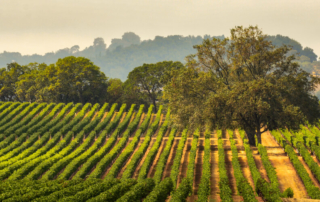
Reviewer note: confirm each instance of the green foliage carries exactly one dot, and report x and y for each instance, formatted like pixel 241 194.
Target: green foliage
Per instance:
pixel 88 165
pixel 114 192
pixel 107 159
pixel 31 160
pixel 14 144
pixel 5 105
pixel 138 191
pixel 161 191
pixel 239 83
pixel 313 191
pixel 27 190
pixel 177 159
pixel 52 152
pixel 243 185
pixel 5 116
pixel 270 192
pixel 288 193
pixel 184 189
pixel 204 186
pixel 69 191
pixel 149 79
pixel 50 120
pixel 65 159
pixel 72 78
pixel 115 91
pixel 272 175
pixel 117 165
pixel 192 157
pixel 24 126
pixel 91 192
pixel 144 170
pixel 164 157
pixel 225 190
pixel 46 190
pixel 27 114
pixel 101 125
pixel 128 172
pixel 8 78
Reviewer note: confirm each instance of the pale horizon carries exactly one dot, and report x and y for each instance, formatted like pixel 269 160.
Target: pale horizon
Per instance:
pixel 37 27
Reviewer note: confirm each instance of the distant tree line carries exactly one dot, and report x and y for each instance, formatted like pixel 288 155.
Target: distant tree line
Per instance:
pixel 124 54
pixel 77 79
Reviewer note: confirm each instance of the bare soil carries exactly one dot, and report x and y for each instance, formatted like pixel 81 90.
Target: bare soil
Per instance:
pixel 167 170
pixel 94 116
pixel 316 160
pixel 215 178
pixel 123 116
pixel 286 173
pixel 110 165
pixel 152 169
pixel 163 144
pixel 136 172
pixel 129 159
pixel 242 157
pixel 132 117
pixel 104 116
pixel 314 180
pixel 229 167
pixel 198 166
pixel 259 164
pixel 184 161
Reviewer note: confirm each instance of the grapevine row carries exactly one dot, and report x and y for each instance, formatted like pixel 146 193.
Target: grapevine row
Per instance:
pixel 204 186
pixel 91 162
pixel 32 159
pixel 185 187
pixel 86 153
pixel 225 190
pixel 164 156
pixel 107 159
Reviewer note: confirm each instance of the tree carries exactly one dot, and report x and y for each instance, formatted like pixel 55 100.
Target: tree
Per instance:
pixel 243 82
pixel 32 84
pixel 115 90
pixel 309 53
pixel 77 79
pixel 128 38
pixel 99 47
pixel 8 78
pixel 149 79
pixel 71 79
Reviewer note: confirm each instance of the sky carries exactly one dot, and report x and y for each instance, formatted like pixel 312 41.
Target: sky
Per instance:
pixel 38 26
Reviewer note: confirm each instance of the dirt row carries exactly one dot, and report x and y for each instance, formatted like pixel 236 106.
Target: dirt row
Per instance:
pixel 286 173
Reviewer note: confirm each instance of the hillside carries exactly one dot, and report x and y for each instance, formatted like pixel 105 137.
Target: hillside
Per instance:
pixel 128 52
pixel 66 149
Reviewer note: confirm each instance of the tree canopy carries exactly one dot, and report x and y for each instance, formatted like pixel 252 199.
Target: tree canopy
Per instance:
pixel 149 79
pixel 125 53
pixel 243 81
pixel 71 79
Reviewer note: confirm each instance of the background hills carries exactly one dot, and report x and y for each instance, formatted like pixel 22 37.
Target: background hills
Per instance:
pixel 123 54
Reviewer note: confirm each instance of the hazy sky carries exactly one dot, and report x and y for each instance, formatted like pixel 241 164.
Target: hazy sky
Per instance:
pixel 40 26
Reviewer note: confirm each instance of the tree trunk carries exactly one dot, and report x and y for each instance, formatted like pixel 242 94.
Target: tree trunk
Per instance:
pixel 251 137
pixel 155 106
pixel 259 136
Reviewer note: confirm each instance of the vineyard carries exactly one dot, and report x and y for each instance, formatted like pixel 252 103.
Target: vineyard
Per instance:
pixel 75 152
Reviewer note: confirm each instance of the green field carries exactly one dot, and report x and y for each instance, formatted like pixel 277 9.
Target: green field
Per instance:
pixel 75 152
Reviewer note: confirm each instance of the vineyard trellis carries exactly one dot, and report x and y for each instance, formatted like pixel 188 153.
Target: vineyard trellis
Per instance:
pixel 60 152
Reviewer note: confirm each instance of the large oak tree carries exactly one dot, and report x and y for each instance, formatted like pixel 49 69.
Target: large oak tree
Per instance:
pixel 243 82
